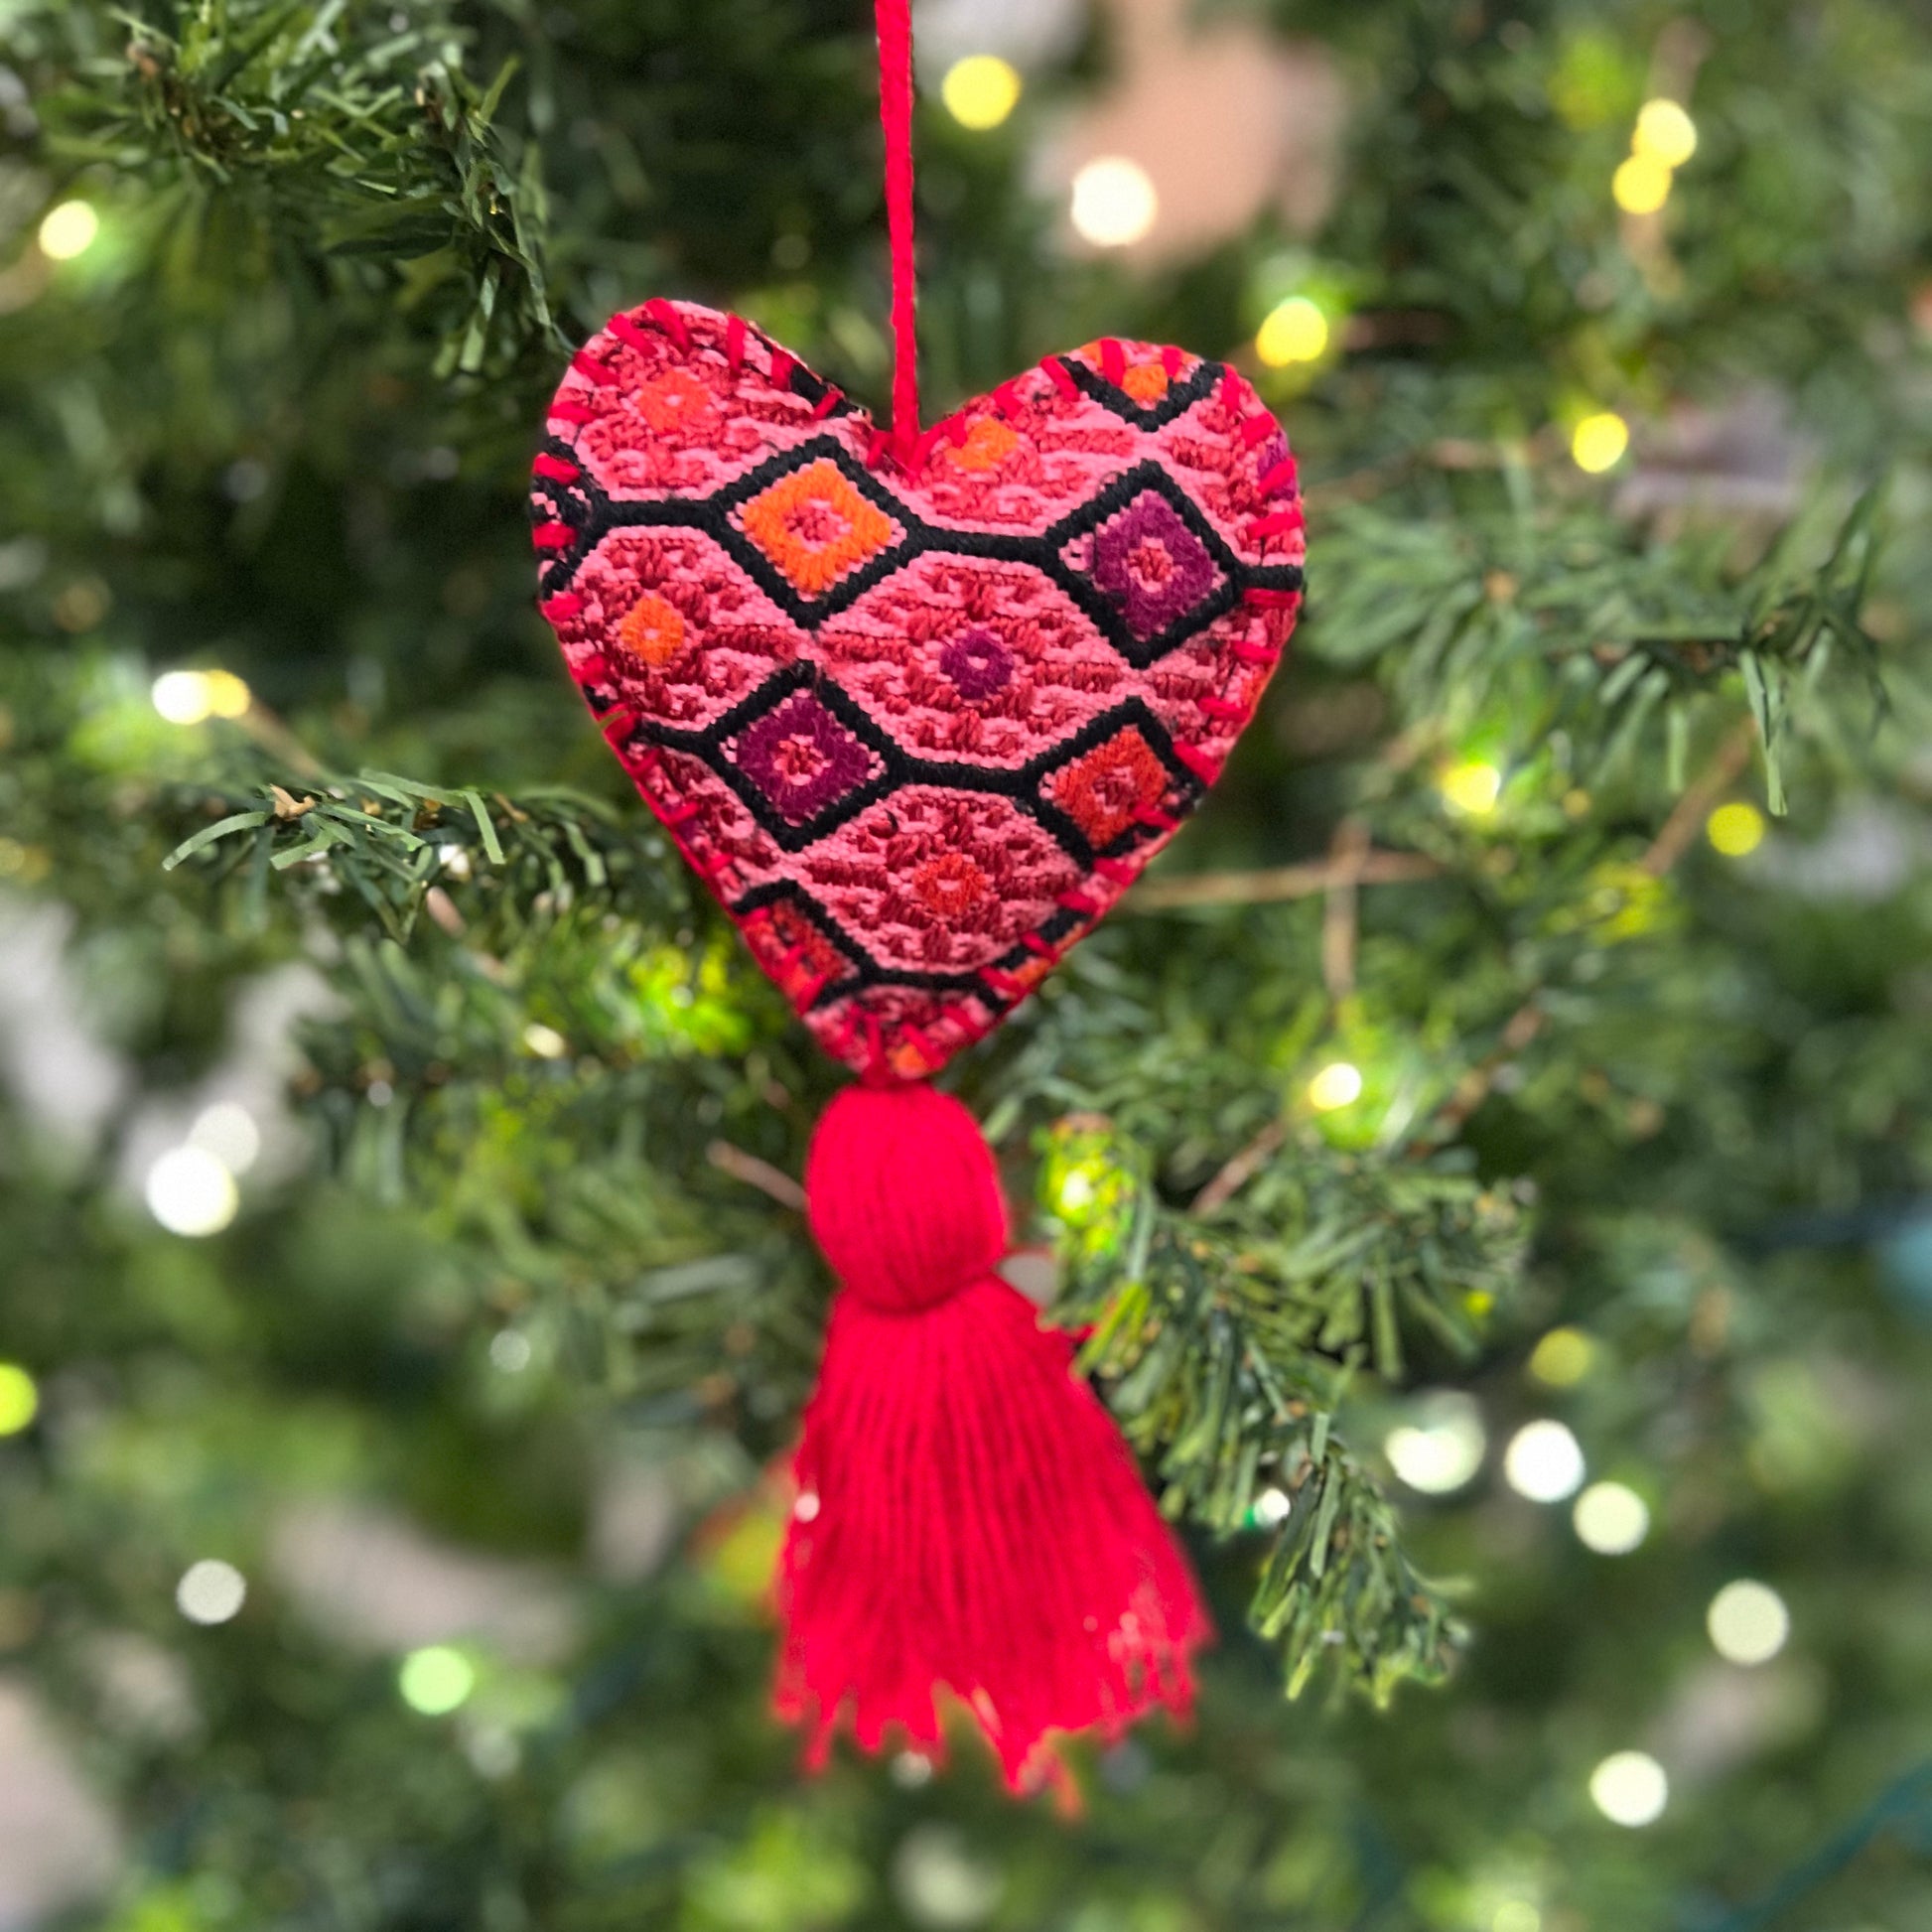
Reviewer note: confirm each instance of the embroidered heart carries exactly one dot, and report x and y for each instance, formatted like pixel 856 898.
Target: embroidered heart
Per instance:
pixel 918 718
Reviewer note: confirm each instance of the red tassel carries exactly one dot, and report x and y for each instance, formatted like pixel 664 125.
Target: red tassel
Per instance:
pixel 968 1515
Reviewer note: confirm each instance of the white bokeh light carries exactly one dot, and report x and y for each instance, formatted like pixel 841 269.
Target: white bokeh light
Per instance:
pixel 1629 1788
pixel 1748 1622
pixel 1544 1462
pixel 210 1592
pixel 227 1130
pixel 1114 202
pixel 1442 1447
pixel 190 1192
pixel 1611 1519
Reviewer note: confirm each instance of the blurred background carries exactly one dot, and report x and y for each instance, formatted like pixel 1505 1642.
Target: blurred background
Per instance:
pixel 1521 1061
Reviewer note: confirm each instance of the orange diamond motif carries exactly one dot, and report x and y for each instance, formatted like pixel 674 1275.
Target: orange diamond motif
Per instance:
pixel 652 629
pixel 1105 791
pixel 815 527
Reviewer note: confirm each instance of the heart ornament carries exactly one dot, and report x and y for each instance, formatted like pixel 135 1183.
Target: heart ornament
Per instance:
pixel 918 713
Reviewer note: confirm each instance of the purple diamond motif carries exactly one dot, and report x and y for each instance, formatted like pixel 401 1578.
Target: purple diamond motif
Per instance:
pixel 1153 567
pixel 978 663
pixel 801 758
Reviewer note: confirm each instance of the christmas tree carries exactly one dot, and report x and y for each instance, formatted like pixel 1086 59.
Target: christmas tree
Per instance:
pixel 1485 1156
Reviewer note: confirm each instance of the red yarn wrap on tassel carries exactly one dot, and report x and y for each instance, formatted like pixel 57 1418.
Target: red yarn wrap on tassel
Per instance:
pixel 968 1516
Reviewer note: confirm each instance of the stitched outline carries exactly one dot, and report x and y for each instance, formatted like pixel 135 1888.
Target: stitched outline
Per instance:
pixel 1180 396
pixel 601 515
pixel 1023 785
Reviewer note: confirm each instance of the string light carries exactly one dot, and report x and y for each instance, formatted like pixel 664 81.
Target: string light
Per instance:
pixel 1442 1447
pixel 1472 787
pixel 1641 185
pixel 1295 330
pixel 1665 132
pixel 189 697
pixel 210 1592
pixel 1629 1788
pixel 20 1399
pixel 1339 1084
pixel 190 1192
pixel 1114 202
pixel 1562 1358
pixel 1748 1622
pixel 981 90
pixel 67 230
pixel 436 1679
pixel 1736 830
pixel 1611 1519
pixel 1544 1462
pixel 1599 442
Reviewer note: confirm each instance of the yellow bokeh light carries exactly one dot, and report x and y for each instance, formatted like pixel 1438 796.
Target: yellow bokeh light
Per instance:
pixel 1472 787
pixel 436 1679
pixel 981 90
pixel 1641 185
pixel 69 230
pixel 1562 1358
pixel 1665 132
pixel 20 1399
pixel 227 695
pixel 1735 829
pixel 1295 330
pixel 1336 1085
pixel 1114 202
pixel 1599 442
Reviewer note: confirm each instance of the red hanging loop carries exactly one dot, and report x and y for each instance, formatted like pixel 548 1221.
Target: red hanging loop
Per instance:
pixel 895 19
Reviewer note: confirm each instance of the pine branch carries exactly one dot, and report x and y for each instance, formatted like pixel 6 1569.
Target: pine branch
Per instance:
pixel 1227 1349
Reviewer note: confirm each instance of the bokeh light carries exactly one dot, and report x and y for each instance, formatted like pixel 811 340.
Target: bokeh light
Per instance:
pixel 1441 1447
pixel 1630 1788
pixel 981 90
pixel 189 697
pixel 20 1399
pixel 227 1130
pixel 1544 1462
pixel 1599 442
pixel 1611 1519
pixel 210 1592
pixel 1665 132
pixel 1339 1084
pixel 1114 202
pixel 436 1679
pixel 1641 185
pixel 1295 330
pixel 545 1041
pixel 190 1192
pixel 1748 1622
pixel 1271 1508
pixel 1735 829
pixel 1472 787
pixel 1562 1358
pixel 68 229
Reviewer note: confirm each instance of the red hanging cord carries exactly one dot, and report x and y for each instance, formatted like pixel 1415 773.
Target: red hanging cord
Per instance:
pixel 895 19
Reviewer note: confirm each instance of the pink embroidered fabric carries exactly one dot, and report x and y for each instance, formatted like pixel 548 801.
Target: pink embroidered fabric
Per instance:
pixel 920 722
